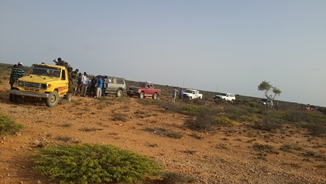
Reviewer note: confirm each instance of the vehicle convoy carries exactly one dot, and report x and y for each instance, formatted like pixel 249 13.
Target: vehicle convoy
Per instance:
pixel 47 82
pixel 144 89
pixel 225 96
pixel 192 94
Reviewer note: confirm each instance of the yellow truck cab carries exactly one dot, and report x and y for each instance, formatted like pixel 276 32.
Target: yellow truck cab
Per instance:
pixel 46 81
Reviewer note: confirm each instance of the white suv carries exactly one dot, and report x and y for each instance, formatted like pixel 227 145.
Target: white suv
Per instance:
pixel 225 96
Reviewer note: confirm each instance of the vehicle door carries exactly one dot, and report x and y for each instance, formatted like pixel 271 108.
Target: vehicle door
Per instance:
pixel 111 87
pixel 150 89
pixel 195 94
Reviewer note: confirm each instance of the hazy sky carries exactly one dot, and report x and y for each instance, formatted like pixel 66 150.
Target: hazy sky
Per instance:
pixel 217 45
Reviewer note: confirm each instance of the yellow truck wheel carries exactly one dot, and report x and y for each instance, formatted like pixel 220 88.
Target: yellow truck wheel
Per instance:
pixel 53 99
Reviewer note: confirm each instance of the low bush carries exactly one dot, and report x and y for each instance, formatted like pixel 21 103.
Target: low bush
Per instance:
pixel 164 132
pixel 290 147
pixel 119 117
pixel 316 129
pixel 264 148
pixel 313 154
pixel 322 110
pixel 268 124
pixel 64 138
pixel 8 125
pixel 169 106
pixel 190 109
pixel 93 164
pixel 223 120
pixel 173 177
pixel 204 120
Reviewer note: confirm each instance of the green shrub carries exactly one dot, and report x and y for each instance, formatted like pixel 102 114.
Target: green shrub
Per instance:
pixel 93 164
pixel 8 125
pixel 190 109
pixel 223 120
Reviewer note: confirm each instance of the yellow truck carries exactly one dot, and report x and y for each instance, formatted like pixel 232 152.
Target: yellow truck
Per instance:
pixel 47 82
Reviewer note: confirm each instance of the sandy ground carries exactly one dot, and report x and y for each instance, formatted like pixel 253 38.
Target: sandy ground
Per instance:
pixel 223 156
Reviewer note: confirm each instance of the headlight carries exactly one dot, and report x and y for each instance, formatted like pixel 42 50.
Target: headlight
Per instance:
pixel 20 83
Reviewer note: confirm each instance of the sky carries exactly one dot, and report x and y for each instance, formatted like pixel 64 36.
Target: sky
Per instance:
pixel 211 45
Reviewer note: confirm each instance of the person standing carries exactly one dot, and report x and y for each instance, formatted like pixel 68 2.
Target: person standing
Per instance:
pixel 15 74
pixel 74 75
pixel 174 94
pixel 181 94
pixel 86 85
pixel 99 86
pixel 83 84
pixel 93 87
pixel 105 85
pixel 79 84
pixel 71 83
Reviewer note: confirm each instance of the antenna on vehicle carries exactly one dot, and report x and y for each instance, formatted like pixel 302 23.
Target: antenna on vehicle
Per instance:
pixel 216 89
pixel 183 82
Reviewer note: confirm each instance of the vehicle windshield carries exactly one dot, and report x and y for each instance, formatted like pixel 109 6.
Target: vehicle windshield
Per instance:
pixel 45 70
pixel 142 84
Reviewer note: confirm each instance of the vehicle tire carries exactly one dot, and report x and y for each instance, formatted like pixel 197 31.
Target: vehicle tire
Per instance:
pixel 119 93
pixel 141 95
pixel 68 97
pixel 154 96
pixel 53 99
pixel 15 98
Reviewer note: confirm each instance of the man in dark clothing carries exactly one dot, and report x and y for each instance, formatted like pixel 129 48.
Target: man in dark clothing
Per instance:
pixel 15 74
pixel 93 87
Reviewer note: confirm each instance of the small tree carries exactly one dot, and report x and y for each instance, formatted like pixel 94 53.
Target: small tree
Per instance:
pixel 266 86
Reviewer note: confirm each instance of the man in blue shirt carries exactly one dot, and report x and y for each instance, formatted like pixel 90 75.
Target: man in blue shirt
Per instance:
pixel 99 87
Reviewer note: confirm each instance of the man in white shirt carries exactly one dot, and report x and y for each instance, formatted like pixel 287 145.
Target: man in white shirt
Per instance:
pixel 84 89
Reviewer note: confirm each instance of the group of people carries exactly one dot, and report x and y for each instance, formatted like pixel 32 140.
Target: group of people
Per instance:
pixel 97 85
pixel 80 82
pixel 175 91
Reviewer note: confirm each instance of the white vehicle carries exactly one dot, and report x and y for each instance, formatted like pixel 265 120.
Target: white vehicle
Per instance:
pixel 225 96
pixel 192 94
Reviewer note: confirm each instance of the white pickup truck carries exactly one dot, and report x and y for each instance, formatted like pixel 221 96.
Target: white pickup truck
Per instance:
pixel 225 96
pixel 192 94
